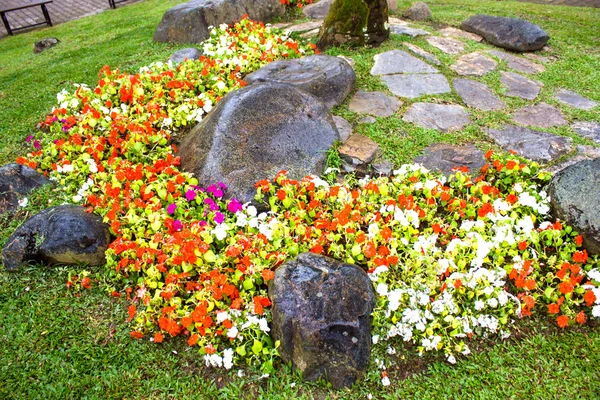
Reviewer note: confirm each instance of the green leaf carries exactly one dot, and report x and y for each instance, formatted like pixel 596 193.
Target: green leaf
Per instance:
pixel 257 347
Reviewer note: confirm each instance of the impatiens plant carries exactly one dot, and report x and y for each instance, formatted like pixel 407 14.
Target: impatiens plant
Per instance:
pixel 296 3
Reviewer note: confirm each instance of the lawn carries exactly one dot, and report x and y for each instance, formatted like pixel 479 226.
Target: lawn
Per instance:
pixel 55 343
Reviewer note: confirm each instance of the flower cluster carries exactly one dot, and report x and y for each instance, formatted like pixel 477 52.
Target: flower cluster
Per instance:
pixel 296 3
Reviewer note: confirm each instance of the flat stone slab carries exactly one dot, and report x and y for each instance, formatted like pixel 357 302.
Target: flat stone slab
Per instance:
pixel 358 151
pixel 446 44
pixel 475 64
pixel 583 153
pixel 542 115
pixel 414 85
pixel 518 86
pixel 518 63
pixel 343 127
pixel 590 130
pixel 367 119
pixel 445 158
pixel 399 62
pixel 306 26
pixel 574 99
pixel 477 95
pixel 378 104
pixel 422 53
pixel 533 145
pixel 460 34
pixel 397 29
pixel 509 33
pixel 440 117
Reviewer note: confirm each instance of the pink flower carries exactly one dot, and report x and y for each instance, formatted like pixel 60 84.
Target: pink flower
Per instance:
pixel 177 225
pixel 219 218
pixel 234 206
pixel 171 208
pixel 190 195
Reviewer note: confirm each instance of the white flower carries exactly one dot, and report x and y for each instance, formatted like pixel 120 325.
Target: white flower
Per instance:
pixel 479 305
pixel 220 232
pixel 382 289
pixel 77 198
pixel 228 358
pixel 23 202
pixel 222 316
pixel 596 311
pixel 375 339
pixel 493 302
pixel 451 359
pixel 385 381
pixel 373 230
pixel 593 274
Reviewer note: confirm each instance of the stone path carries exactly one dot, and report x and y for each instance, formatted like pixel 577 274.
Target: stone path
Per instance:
pixel 60 11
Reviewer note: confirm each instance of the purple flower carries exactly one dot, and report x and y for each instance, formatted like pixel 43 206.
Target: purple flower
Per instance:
pixel 209 201
pixel 214 207
pixel 171 208
pixel 177 225
pixel 218 193
pixel 234 206
pixel 219 218
pixel 29 138
pixel 203 223
pixel 190 195
pixel 37 144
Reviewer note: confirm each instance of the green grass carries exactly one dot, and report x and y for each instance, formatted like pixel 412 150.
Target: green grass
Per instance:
pixel 56 345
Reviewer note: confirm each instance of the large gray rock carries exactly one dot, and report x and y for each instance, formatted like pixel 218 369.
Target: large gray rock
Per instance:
pixel 418 11
pixel 447 158
pixel 328 78
pixel 255 132
pixel 574 194
pixel 45 44
pixel 322 316
pixel 58 235
pixel 317 10
pixel 16 182
pixel 189 22
pixel 509 33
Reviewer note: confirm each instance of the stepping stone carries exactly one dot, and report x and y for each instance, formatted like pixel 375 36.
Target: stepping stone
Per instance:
pixel 367 119
pixel 445 158
pixel 460 34
pixel 447 45
pixel 542 115
pixel 475 64
pixel 414 85
pixel 306 26
pixel 583 153
pixel 519 86
pixel 440 117
pixel 398 62
pixel 533 145
pixel 509 33
pixel 343 127
pixel 477 95
pixel 574 99
pixel 422 53
pixel 536 57
pixel 309 34
pixel 406 30
pixel 518 63
pixel 357 152
pixel 377 104
pixel 590 130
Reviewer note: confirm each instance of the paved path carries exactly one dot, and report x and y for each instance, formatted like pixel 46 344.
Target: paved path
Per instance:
pixel 60 11
pixel 580 3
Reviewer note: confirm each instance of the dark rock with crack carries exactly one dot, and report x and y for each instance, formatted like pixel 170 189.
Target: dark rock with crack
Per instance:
pixel 16 182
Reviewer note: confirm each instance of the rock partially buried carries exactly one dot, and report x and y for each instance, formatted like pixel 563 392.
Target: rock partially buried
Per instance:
pixel 378 104
pixel 437 116
pixel 45 44
pixel 519 86
pixel 254 133
pixel 509 33
pixel 518 63
pixel 343 127
pixel 190 22
pixel 534 145
pixel 446 44
pixel 477 95
pixel 422 53
pixel 58 235
pixel 574 100
pixel 542 115
pixel 475 64
pixel 357 153
pixel 317 10
pixel 460 34
pixel 16 182
pixel 447 158
pixel 574 194
pixel 419 11
pixel 407 30
pixel 190 53
pixel 322 316
pixel 328 78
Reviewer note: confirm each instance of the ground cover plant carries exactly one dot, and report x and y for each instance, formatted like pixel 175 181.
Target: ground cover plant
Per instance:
pixel 358 225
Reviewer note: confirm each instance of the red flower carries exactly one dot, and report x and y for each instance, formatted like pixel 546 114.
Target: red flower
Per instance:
pixel 136 335
pixel 578 240
pixel 565 287
pixel 86 283
pixel 580 318
pixel 193 340
pixel 562 321
pixel 281 194
pixel 131 310
pixel 553 308
pixel 523 245
pixel 580 256
pixel 457 284
pixel 267 274
pixel 158 337
pixel 590 298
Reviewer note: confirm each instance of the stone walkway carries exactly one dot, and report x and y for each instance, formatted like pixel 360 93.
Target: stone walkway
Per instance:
pixel 60 11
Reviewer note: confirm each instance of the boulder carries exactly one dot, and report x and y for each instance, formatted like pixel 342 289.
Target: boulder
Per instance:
pixel 509 33
pixel 190 22
pixel 328 78
pixel 355 23
pixel 255 132
pixel 59 235
pixel 574 194
pixel 419 11
pixel 45 44
pixel 322 316
pixel 317 10
pixel 17 181
pixel 190 53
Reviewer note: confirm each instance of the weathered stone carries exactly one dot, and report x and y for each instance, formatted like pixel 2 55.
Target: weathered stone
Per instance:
pixel 415 85
pixel 574 194
pixel 590 130
pixel 392 5
pixel 475 64
pixel 537 57
pixel 583 153
pixel 189 22
pixel 422 53
pixel 58 235
pixel 447 158
pixel 306 26
pixel 367 119
pixel 190 53
pixel 460 34
pixel 419 11
pixel 440 117
pixel 407 30
pixel 317 10
pixel 378 104
pixel 382 166
pixel 349 60
pixel 574 100
pixel 446 44
pixel 519 86
pixel 343 127
pixel 399 62
pixel 16 182
pixel 534 145
pixel 509 33
pixel 355 23
pixel 328 78
pixel 357 153
pixel 477 95
pixel 45 44
pixel 518 63
pixel 257 131
pixel 322 317
pixel 542 115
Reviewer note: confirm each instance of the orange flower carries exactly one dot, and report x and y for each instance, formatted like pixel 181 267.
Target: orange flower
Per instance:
pixel 158 337
pixel 578 240
pixel 86 283
pixel 136 335
pixel 565 287
pixel 193 340
pixel 553 308
pixel 523 245
pixel 580 256
pixel 457 284
pixel 562 321
pixel 580 318
pixel 131 310
pixel 267 274
pixel 590 298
